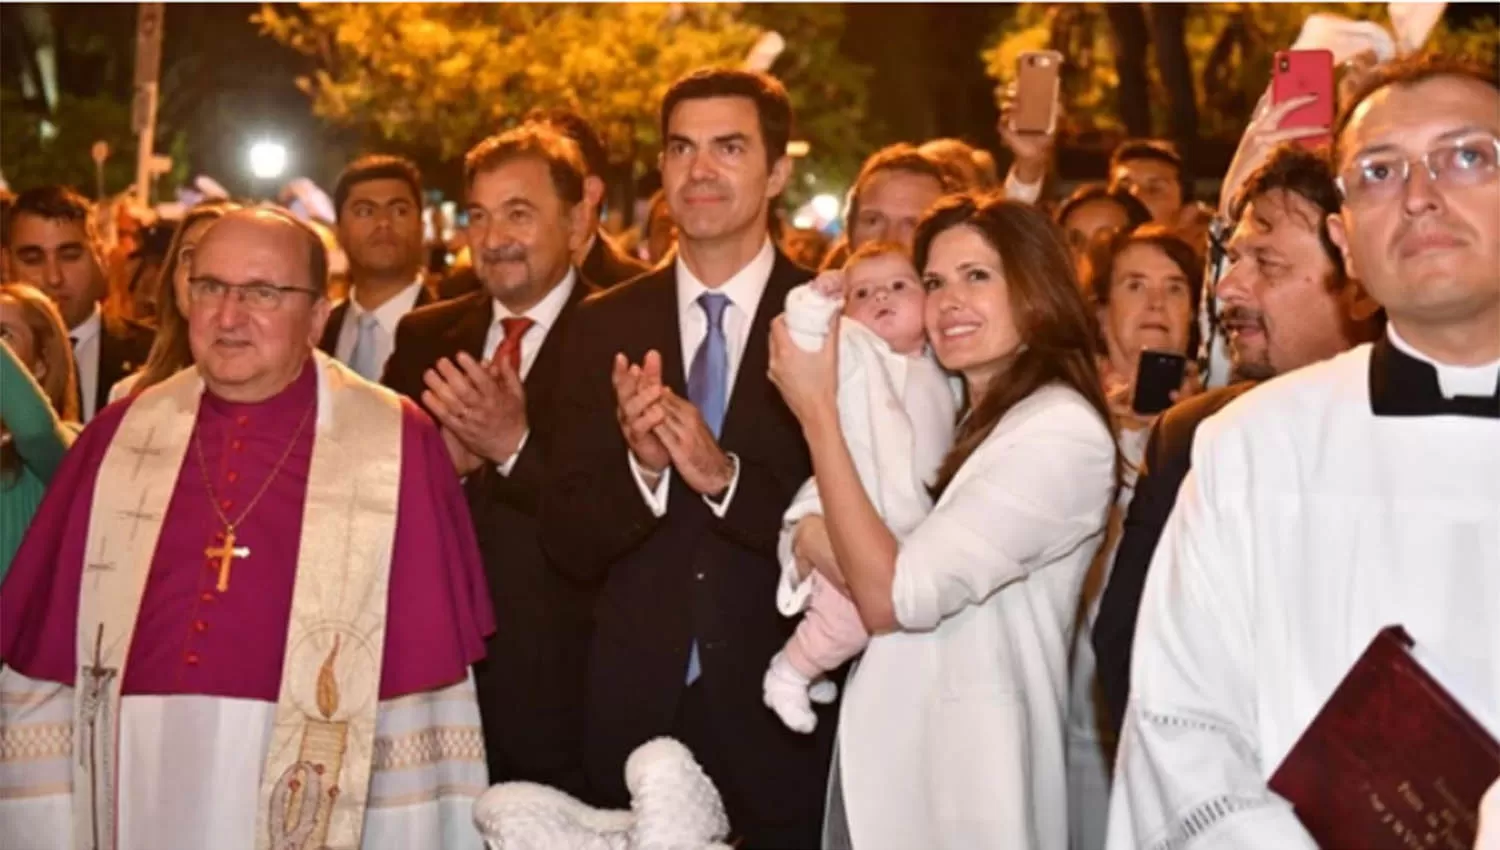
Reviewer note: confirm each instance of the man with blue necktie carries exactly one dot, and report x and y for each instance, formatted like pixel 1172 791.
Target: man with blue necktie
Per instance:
pixel 676 459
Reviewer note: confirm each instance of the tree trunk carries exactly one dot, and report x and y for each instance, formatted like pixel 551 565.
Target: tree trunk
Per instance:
pixel 1168 23
pixel 1131 37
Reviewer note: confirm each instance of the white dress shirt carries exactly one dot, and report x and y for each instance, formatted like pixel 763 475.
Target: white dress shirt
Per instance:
pixel 543 315
pixel 387 316
pixel 744 291
pixel 86 351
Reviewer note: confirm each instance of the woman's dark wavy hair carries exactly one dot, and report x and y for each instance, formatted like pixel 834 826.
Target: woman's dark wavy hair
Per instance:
pixel 1057 329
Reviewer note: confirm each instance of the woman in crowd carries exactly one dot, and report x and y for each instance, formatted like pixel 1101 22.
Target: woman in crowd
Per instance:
pixel 170 353
pixel 1092 210
pixel 1145 285
pixel 36 399
pixel 952 727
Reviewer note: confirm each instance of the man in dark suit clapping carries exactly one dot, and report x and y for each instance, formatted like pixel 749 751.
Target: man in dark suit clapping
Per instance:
pixel 675 460
pixel 486 367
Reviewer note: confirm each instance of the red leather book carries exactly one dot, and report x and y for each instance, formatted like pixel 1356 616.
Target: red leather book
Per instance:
pixel 1392 760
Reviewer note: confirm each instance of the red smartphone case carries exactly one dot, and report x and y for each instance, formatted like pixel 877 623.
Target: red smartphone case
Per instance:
pixel 1302 72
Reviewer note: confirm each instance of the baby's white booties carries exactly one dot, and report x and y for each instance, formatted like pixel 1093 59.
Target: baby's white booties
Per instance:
pixel 791 694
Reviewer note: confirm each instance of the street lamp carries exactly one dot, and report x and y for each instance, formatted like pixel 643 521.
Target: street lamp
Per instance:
pixel 267 160
pixel 826 206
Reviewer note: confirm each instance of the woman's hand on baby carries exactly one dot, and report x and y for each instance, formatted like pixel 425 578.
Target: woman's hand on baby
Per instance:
pixel 808 380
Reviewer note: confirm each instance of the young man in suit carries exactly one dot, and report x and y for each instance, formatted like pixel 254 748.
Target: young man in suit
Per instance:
pixel 54 247
pixel 674 462
pixel 486 367
pixel 378 200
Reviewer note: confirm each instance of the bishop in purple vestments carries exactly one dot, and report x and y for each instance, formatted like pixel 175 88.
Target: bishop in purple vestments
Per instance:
pixel 203 673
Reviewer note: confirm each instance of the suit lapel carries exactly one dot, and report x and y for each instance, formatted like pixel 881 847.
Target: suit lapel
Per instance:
pixel 469 332
pixel 541 381
pixel 666 312
pixel 108 366
pixel 751 389
pixel 330 340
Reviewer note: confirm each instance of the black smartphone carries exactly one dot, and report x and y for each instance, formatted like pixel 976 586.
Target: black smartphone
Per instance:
pixel 1158 375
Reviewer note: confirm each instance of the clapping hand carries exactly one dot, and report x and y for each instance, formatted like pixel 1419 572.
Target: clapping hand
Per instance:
pixel 694 451
pixel 638 393
pixel 483 407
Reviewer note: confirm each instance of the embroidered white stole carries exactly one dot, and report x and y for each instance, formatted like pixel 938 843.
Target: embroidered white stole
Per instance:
pixel 316 776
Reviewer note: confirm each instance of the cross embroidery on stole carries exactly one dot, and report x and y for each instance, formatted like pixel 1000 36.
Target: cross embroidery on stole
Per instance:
pixel 94 679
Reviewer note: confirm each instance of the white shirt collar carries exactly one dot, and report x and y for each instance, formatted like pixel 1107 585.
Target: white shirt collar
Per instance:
pixel 744 288
pixel 89 328
pixel 545 312
pixel 389 314
pixel 1452 380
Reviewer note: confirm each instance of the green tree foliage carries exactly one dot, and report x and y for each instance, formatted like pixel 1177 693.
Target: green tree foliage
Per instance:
pixel 442 76
pixel 36 150
pixel 1231 46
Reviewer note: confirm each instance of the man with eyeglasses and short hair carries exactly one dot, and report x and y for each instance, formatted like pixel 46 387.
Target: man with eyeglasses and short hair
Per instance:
pixel 250 588
pixel 1339 499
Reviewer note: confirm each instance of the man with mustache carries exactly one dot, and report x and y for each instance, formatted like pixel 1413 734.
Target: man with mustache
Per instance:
pixel 1348 496
pixel 486 365
pixel 1286 302
pixel 676 458
pixel 378 200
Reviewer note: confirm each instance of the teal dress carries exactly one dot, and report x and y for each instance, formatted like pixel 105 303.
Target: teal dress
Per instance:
pixel 40 439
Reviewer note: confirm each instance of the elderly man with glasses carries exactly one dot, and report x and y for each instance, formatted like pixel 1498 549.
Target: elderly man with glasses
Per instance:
pixel 249 603
pixel 1330 503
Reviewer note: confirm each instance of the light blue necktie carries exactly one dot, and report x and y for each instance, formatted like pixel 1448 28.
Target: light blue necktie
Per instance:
pixel 362 358
pixel 708 388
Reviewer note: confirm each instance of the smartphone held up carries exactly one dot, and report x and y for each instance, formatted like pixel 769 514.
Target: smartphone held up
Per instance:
pixel 1038 78
pixel 1158 375
pixel 1298 73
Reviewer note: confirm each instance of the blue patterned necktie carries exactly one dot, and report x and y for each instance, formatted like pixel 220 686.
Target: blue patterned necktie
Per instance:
pixel 708 388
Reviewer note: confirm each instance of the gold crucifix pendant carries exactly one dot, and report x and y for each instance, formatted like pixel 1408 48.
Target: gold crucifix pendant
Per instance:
pixel 226 555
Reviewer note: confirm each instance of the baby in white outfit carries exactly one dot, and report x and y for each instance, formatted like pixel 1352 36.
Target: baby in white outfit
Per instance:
pixel 897 409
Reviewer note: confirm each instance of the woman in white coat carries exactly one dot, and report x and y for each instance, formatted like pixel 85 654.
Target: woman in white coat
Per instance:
pixel 952 728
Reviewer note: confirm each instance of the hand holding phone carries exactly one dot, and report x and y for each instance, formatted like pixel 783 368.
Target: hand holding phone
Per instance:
pixel 1038 81
pixel 1158 375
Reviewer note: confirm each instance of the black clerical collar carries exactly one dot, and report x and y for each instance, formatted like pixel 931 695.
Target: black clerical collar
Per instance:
pixel 1402 385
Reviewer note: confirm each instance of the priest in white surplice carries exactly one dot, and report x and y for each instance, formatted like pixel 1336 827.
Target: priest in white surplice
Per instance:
pixel 245 612
pixel 1353 494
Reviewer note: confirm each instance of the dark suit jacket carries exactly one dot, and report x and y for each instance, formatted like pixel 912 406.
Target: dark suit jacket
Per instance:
pixel 688 575
pixel 330 340
pixel 124 346
pixel 607 266
pixel 1169 455
pixel 531 680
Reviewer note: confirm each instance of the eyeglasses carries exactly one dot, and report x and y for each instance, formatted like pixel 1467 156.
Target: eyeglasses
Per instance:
pixel 260 297
pixel 1383 176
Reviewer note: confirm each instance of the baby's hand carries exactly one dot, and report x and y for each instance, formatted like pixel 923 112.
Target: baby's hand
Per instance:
pixel 830 284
